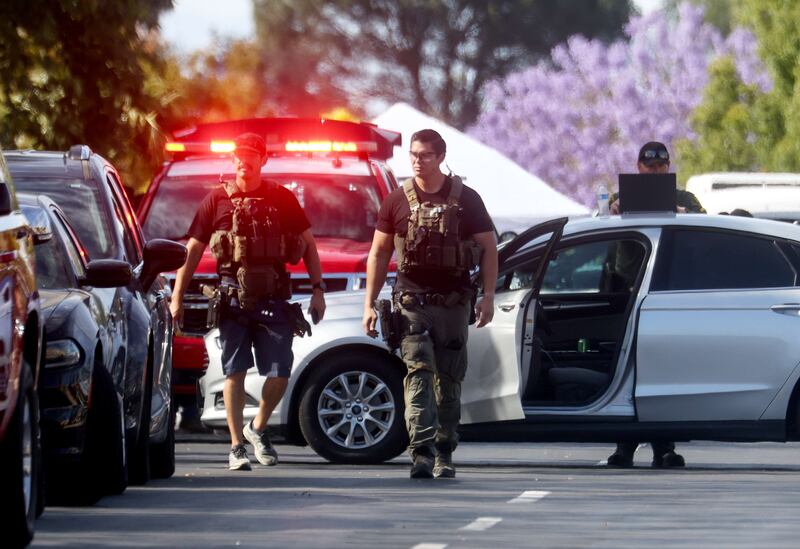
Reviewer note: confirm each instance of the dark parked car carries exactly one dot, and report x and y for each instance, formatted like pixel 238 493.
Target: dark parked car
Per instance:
pixel 80 387
pixel 89 190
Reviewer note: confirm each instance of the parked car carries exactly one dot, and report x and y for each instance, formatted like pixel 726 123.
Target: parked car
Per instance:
pixel 21 494
pixel 767 195
pixel 678 327
pixel 88 189
pixel 80 390
pixel 336 170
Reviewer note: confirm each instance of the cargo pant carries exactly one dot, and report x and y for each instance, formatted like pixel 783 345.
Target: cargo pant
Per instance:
pixel 434 349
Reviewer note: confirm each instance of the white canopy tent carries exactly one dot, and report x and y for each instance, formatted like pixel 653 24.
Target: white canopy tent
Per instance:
pixel 515 198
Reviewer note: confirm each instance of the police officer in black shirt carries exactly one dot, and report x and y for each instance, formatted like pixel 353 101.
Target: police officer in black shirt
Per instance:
pixel 254 227
pixel 440 230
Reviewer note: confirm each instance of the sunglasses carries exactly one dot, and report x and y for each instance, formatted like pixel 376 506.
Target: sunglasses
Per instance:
pixel 422 156
pixel 655 155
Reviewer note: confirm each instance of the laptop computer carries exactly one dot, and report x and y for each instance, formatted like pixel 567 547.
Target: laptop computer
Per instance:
pixel 644 193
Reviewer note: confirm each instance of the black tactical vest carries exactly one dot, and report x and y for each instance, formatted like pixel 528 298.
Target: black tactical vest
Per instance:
pixel 433 240
pixel 256 248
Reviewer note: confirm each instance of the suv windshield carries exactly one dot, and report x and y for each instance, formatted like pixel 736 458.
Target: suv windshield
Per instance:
pixel 81 202
pixel 339 206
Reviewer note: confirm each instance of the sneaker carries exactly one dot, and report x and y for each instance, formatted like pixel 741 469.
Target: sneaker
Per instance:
pixel 618 459
pixel 669 459
pixel 422 467
pixel 237 459
pixel 443 467
pixel 262 445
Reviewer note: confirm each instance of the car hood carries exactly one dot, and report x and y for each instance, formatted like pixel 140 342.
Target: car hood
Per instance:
pixel 337 255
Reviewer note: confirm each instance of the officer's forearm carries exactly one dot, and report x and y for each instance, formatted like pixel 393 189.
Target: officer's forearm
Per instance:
pixel 489 270
pixel 194 251
pixel 312 262
pixel 377 266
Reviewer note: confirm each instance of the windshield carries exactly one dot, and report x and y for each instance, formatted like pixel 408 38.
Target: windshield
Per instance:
pixel 81 202
pixel 339 206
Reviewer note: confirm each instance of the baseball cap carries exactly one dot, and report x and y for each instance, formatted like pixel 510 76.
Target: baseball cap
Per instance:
pixel 251 142
pixel 653 152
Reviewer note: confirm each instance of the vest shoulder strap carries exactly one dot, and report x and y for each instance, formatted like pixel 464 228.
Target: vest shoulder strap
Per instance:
pixel 411 194
pixel 456 186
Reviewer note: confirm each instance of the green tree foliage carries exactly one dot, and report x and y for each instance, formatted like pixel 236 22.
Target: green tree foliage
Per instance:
pixel 84 71
pixel 752 128
pixel 719 13
pixel 435 55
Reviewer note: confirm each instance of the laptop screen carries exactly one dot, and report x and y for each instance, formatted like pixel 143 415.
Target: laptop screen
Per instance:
pixel 647 193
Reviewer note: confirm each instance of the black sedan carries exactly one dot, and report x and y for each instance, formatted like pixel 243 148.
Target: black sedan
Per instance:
pixel 89 190
pixel 80 386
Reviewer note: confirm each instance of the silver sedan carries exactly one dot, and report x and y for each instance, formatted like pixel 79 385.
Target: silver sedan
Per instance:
pixel 674 327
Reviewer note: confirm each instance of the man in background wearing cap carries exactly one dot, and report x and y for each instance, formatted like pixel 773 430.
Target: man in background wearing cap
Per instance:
pixel 255 316
pixel 653 158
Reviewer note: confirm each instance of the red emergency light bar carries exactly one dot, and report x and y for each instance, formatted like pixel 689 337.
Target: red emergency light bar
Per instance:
pixel 288 135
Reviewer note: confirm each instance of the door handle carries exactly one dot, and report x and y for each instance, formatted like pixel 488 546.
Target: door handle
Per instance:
pixel 791 309
pixel 507 307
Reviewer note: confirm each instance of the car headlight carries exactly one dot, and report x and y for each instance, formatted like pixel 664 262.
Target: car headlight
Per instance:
pixel 62 352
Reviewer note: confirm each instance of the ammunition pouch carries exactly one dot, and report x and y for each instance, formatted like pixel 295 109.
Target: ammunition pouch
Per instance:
pixel 390 320
pixel 295 249
pixel 256 283
pixel 221 247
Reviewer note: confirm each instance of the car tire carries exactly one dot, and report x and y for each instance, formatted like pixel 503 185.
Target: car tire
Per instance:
pixel 20 463
pixel 370 421
pixel 162 455
pixel 139 455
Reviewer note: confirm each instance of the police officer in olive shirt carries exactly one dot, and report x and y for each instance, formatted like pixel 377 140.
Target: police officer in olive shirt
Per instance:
pixel 433 294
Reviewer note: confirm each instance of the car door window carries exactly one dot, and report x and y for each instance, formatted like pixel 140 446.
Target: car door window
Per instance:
pixel 588 267
pixel 717 260
pixel 76 256
pixel 121 199
pixel 131 251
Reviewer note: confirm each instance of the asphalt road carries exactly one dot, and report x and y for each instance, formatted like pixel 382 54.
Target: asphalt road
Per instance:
pixel 505 495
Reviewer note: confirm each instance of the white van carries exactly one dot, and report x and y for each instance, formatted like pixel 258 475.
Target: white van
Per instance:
pixel 766 195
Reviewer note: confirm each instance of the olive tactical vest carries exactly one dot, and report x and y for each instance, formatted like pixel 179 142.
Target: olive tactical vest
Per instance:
pixel 433 240
pixel 256 248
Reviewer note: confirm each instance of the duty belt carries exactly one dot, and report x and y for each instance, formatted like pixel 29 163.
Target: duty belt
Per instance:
pixel 410 299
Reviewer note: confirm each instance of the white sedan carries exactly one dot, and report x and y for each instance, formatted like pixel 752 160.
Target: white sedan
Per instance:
pixel 674 327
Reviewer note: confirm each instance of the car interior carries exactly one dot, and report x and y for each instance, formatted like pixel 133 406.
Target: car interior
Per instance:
pixel 580 317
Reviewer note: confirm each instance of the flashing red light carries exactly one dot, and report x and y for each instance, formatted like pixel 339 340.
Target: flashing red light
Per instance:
pixel 175 147
pixel 329 146
pixel 222 146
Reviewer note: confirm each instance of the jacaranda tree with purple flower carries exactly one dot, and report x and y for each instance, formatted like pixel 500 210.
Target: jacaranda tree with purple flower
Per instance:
pixel 579 119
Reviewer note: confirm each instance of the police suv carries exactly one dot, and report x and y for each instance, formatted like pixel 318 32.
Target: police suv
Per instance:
pixel 337 171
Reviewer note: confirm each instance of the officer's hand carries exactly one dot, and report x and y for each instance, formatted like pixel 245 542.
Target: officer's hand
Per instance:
pixel 316 308
pixel 176 310
pixel 370 321
pixel 484 311
pixel 613 208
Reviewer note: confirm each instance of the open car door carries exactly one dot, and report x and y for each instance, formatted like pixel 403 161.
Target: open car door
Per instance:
pixel 491 388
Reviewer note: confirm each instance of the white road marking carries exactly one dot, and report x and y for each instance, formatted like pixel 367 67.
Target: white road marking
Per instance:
pixel 529 496
pixel 430 546
pixel 481 523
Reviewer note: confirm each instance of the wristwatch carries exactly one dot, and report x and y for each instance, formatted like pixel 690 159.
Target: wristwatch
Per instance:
pixel 319 286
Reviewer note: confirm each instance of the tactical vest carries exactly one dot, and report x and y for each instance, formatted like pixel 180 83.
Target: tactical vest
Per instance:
pixel 433 240
pixel 256 248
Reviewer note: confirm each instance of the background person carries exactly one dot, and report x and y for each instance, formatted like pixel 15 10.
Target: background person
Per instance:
pixel 258 318
pixel 434 295
pixel 653 158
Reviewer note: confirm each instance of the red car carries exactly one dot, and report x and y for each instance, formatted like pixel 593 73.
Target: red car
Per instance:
pixel 21 494
pixel 335 168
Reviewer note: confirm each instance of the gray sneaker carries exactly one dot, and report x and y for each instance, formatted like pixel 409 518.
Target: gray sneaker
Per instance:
pixel 443 466
pixel 237 459
pixel 262 446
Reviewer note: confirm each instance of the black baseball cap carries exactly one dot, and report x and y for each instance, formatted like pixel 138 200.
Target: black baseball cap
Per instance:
pixel 653 152
pixel 251 142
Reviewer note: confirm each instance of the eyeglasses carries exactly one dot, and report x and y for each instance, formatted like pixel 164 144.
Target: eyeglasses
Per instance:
pixel 422 156
pixel 653 155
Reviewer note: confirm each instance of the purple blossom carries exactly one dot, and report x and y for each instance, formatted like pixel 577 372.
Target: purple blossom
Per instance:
pixel 579 118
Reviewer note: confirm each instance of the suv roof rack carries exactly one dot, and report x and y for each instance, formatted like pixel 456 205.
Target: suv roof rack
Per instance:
pixel 79 152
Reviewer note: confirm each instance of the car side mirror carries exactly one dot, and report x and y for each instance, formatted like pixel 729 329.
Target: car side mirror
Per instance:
pixel 160 256
pixel 5 199
pixel 107 273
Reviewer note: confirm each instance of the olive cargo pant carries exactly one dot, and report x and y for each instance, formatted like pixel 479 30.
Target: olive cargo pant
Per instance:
pixel 434 349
